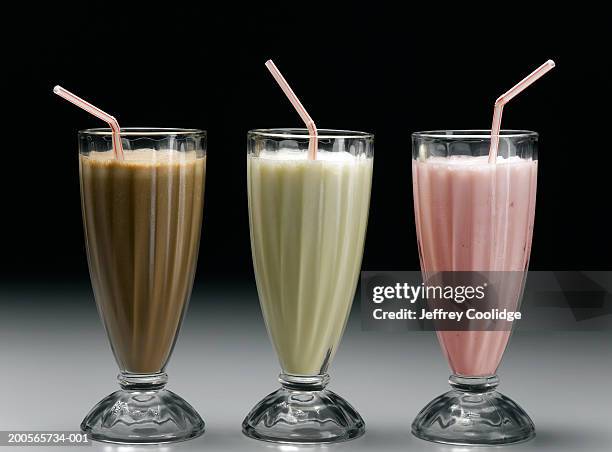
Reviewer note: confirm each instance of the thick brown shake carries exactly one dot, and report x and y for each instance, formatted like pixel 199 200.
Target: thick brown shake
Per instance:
pixel 142 221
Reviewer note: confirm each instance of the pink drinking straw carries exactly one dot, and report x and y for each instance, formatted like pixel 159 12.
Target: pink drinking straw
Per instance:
pixel 505 98
pixel 310 125
pixel 110 120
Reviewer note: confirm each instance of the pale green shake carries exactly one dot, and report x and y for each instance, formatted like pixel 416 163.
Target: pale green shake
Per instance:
pixel 308 223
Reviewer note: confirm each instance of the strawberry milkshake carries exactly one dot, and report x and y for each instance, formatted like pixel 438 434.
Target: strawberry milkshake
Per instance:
pixel 473 215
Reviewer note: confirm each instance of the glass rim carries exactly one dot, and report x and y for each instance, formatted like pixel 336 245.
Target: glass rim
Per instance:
pixel 143 131
pixel 474 133
pixel 303 133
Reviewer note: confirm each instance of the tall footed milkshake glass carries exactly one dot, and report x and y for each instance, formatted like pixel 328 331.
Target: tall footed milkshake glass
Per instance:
pixel 142 215
pixel 308 223
pixel 475 216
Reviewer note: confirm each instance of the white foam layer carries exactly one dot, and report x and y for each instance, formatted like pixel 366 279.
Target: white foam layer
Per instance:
pixel 468 160
pixel 146 156
pixel 325 156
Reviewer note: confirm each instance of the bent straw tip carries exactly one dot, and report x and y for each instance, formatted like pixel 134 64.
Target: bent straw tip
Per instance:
pixel 550 63
pixel 310 125
pixel 269 63
pixel 499 102
pixel 57 89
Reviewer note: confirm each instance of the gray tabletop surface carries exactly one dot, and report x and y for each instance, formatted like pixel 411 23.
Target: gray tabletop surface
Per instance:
pixel 57 364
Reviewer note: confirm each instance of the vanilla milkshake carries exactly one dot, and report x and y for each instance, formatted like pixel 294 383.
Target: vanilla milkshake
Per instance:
pixel 308 223
pixel 308 210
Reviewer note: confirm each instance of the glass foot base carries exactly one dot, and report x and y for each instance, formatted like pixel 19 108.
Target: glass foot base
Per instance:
pixel 473 414
pixel 142 417
pixel 303 417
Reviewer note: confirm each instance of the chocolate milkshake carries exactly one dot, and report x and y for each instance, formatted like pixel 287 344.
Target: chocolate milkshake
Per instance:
pixel 142 219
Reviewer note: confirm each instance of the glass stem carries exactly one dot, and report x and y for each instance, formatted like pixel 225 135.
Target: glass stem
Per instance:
pixel 142 382
pixel 473 384
pixel 303 383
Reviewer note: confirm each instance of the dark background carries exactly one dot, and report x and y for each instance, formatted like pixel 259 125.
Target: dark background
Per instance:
pixel 360 66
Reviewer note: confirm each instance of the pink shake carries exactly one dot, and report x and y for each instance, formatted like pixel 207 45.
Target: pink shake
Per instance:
pixel 474 216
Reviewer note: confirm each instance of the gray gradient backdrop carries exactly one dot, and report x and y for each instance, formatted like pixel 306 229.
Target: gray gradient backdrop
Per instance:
pixel 57 364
